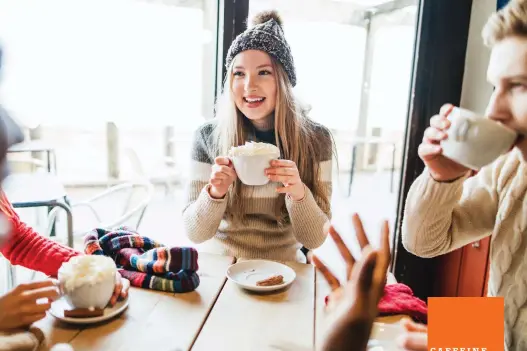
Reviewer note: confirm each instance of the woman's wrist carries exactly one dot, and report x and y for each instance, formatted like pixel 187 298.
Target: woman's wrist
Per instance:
pixel 299 197
pixel 214 193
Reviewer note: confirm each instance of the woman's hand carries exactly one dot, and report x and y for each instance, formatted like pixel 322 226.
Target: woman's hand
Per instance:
pixel 286 172
pixel 354 303
pixel 221 178
pixel 26 304
pixel 121 289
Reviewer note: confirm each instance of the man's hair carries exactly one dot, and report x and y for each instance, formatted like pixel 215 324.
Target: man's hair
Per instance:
pixel 510 21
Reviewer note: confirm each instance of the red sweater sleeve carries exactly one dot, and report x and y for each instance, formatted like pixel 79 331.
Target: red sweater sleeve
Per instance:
pixel 29 249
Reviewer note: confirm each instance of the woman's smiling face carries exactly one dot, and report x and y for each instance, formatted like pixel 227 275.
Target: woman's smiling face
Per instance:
pixel 254 84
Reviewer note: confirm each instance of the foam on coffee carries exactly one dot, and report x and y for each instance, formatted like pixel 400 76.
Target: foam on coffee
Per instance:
pixel 252 148
pixel 86 269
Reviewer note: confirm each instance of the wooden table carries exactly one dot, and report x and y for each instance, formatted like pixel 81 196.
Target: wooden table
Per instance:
pixel 249 321
pixel 217 316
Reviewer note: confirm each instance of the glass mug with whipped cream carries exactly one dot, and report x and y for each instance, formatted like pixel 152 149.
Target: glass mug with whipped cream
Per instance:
pixel 251 160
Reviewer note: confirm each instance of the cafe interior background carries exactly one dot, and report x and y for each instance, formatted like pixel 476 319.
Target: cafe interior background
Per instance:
pixel 110 104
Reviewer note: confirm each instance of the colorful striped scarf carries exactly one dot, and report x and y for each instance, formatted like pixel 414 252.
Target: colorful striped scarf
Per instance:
pixel 145 262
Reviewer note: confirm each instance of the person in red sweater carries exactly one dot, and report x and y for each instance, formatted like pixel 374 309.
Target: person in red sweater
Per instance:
pixel 22 246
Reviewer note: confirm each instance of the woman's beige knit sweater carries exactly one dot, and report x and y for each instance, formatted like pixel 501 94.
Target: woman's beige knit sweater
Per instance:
pixel 260 236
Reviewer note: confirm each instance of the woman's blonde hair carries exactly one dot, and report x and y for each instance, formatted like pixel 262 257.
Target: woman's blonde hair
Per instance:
pixel 297 137
pixel 510 21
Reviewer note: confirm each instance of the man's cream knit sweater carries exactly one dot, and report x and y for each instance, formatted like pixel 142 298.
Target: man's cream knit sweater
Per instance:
pixel 260 236
pixel 442 217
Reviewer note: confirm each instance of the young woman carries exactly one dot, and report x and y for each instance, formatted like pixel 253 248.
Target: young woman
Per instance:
pixel 272 221
pixel 447 209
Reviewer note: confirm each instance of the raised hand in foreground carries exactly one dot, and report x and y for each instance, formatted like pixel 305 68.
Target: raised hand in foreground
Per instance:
pixel 353 303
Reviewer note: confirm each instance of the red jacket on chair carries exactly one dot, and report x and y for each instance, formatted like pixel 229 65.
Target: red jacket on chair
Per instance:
pixel 29 249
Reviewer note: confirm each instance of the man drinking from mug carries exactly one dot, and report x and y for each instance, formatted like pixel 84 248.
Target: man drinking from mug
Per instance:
pixel 447 209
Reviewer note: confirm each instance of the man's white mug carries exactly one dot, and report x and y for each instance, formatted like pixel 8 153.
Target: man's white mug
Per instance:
pixel 475 141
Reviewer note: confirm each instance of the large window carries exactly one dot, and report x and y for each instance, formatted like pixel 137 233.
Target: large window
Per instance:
pixel 72 66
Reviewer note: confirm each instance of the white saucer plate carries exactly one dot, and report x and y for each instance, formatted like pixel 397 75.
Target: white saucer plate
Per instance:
pixel 246 273
pixel 58 307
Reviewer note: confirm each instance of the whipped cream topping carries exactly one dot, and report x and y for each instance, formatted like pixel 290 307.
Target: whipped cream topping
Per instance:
pixel 252 148
pixel 86 269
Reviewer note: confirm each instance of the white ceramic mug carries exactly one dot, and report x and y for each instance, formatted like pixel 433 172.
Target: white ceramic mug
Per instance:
pixel 251 168
pixel 475 141
pixel 87 288
pixel 96 295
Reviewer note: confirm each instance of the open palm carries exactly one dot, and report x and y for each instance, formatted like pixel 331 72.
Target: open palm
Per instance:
pixel 353 303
